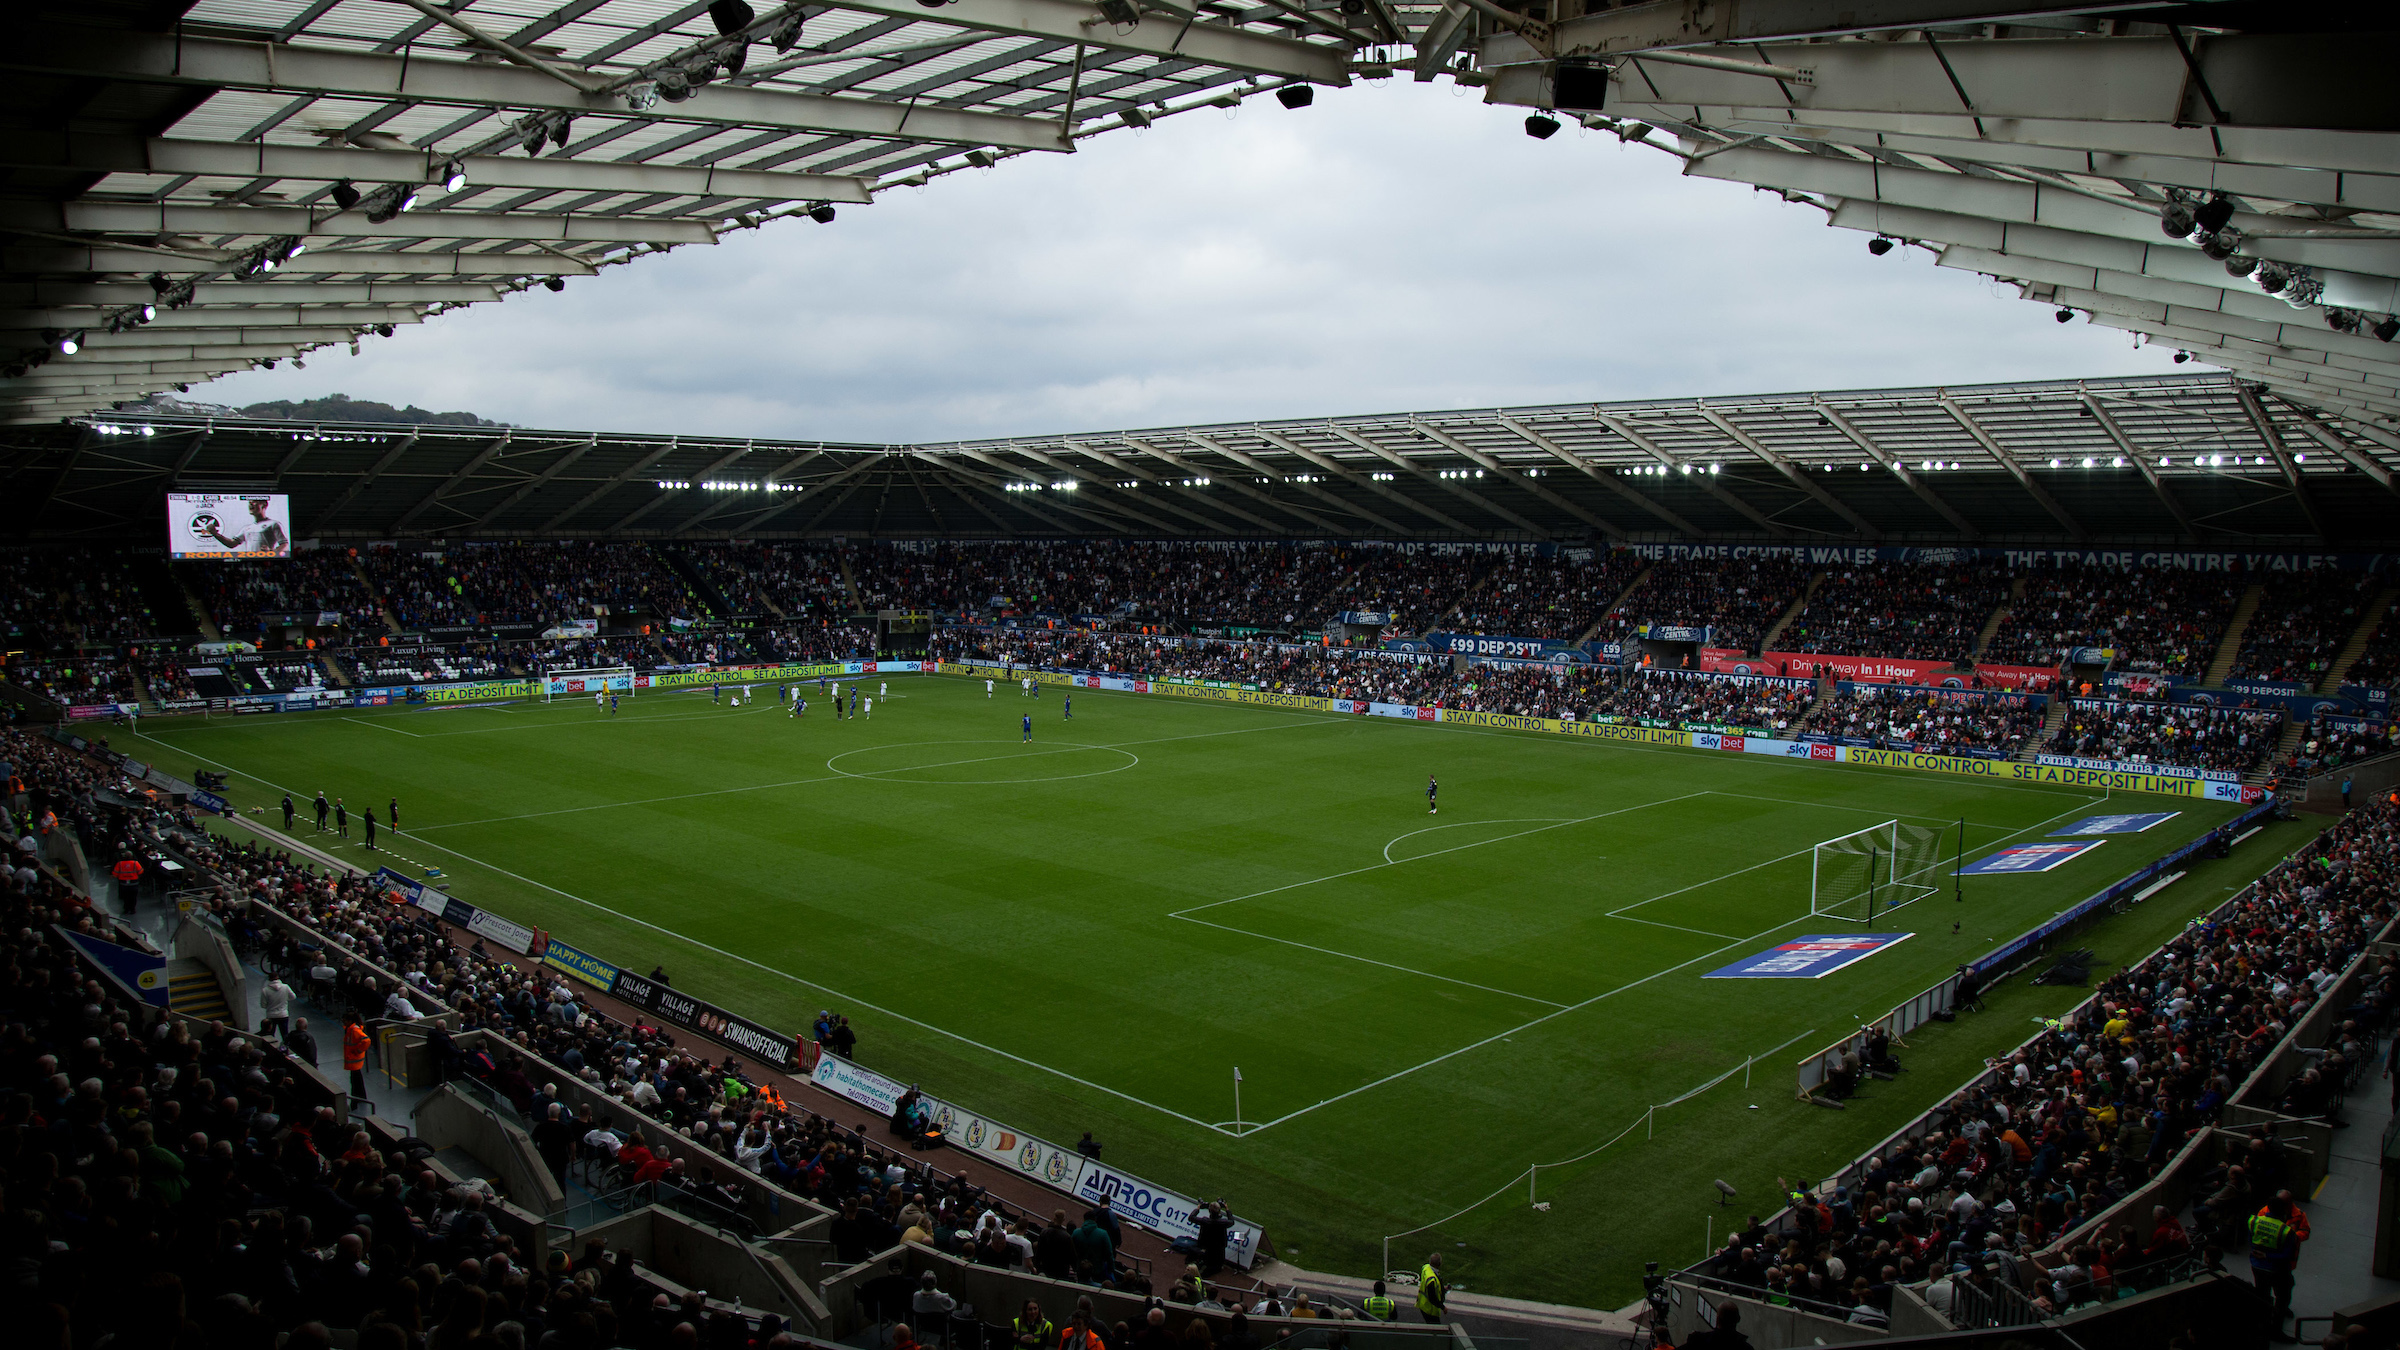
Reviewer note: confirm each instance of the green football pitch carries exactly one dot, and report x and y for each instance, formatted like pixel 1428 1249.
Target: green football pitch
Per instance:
pixel 1094 930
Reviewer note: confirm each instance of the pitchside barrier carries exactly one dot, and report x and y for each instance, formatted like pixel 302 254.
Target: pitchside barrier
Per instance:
pixel 2148 779
pixel 2005 959
pixel 1851 1174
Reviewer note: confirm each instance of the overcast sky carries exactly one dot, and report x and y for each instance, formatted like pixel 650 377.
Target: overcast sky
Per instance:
pixel 1395 247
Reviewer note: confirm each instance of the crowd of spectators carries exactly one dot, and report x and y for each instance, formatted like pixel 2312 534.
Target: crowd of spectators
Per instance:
pixel 1742 598
pixel 2303 622
pixel 2330 743
pixel 1559 597
pixel 424 590
pixel 2019 1165
pixel 318 582
pixel 2164 621
pixel 546 582
pixel 1902 610
pixel 2378 664
pixel 73 680
pixel 1953 721
pixel 60 599
pixel 791 581
pixel 2189 735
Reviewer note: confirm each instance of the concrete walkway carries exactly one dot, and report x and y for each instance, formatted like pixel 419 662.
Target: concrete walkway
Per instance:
pixel 2337 1266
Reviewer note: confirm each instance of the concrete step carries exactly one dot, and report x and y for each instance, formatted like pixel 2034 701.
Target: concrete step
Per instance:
pixel 192 990
pixel 2357 645
pixel 2221 665
pixel 2039 742
pixel 1800 605
pixel 1630 588
pixel 1991 626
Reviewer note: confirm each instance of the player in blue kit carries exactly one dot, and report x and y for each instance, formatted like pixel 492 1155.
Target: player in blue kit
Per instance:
pixel 1029 726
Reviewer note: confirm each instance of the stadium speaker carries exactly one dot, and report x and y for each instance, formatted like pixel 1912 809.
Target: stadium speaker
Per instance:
pixel 1541 128
pixel 1579 86
pixel 1296 96
pixel 731 16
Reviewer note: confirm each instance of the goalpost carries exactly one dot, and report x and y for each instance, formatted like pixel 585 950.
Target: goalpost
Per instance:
pixel 591 679
pixel 1874 870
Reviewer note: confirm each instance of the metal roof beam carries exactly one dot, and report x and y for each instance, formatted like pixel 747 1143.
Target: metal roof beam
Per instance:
pixel 1083 475
pixel 49 258
pixel 250 160
pixel 217 317
pixel 539 481
pixel 1788 469
pixel 2273 439
pixel 363 482
pixel 1019 500
pixel 1425 475
pixel 733 499
pixel 664 494
pixel 157 218
pixel 1071 22
pixel 1257 465
pixel 1362 482
pixel 1924 491
pixel 2017 471
pixel 1192 470
pixel 1625 430
pixel 295 294
pixel 1166 501
pixel 1680 23
pixel 1593 519
pixel 465 472
pixel 2125 445
pixel 626 475
pixel 1612 482
pixel 2355 457
pixel 291 69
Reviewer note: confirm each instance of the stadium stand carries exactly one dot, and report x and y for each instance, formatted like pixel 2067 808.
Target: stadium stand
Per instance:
pixel 788 580
pixel 59 599
pixel 1742 598
pixel 1917 611
pixel 2193 735
pixel 236 593
pixel 1955 721
pixel 2330 743
pixel 422 589
pixel 1560 597
pixel 1992 1195
pixel 2157 620
pixel 2301 624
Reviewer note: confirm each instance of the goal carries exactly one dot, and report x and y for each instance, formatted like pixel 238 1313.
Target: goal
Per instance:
pixel 594 679
pixel 1874 870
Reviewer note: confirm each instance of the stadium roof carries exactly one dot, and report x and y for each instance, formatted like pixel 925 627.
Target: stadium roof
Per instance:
pixel 157 145
pixel 2200 459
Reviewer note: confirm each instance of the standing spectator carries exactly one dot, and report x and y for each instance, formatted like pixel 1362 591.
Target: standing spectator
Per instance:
pixel 1433 1296
pixel 302 1042
pixel 2274 1250
pixel 354 1053
pixel 275 1009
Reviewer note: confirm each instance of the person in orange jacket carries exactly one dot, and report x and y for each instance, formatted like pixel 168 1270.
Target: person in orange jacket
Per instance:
pixel 354 1053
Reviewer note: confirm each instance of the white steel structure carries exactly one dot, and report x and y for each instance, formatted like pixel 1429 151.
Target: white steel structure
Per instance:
pixel 589 680
pixel 1873 871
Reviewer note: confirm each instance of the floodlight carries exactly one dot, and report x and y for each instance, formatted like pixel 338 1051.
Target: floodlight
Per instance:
pixel 2342 320
pixel 673 85
pixel 408 200
pixel 1120 12
pixel 555 283
pixel 2240 265
pixel 346 194
pixel 454 174
pixel 1296 96
pixel 1134 117
pixel 70 343
pixel 643 97
pixel 2272 278
pixel 1541 128
pixel 981 159
pixel 1879 246
pixel 2214 216
pixel 2220 244
pixel 2175 219
pixel 148 312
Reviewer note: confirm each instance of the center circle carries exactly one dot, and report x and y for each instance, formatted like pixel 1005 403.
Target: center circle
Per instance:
pixel 981 763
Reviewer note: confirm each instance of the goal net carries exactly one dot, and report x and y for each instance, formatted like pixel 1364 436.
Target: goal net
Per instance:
pixel 1871 871
pixel 596 679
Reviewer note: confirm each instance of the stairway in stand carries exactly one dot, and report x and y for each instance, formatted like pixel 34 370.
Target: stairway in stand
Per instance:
pixel 2035 744
pixel 2221 665
pixel 2285 743
pixel 1991 626
pixel 192 990
pixel 1616 604
pixel 2357 645
pixel 383 605
pixel 1807 592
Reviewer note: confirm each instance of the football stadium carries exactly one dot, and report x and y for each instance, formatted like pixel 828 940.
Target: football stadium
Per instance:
pixel 1880 864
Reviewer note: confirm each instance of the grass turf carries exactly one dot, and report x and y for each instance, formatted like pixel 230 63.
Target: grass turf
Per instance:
pixel 1092 930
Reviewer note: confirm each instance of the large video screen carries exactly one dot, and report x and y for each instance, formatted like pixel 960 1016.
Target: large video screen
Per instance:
pixel 229 524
